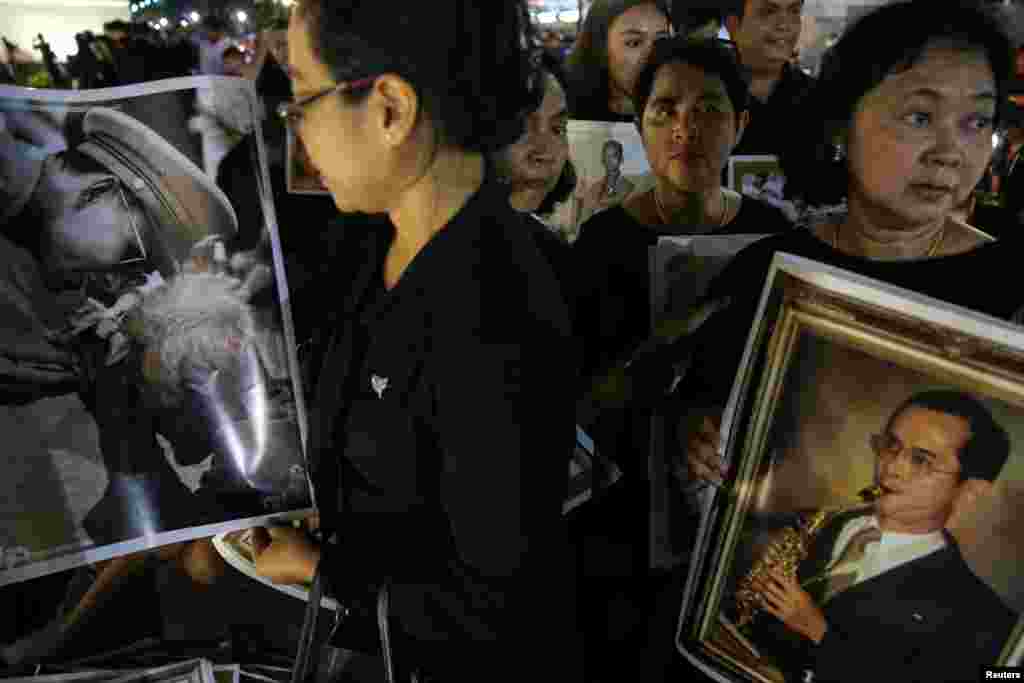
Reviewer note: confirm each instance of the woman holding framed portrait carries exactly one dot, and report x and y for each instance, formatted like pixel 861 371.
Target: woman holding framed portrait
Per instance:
pixel 906 115
pixel 908 133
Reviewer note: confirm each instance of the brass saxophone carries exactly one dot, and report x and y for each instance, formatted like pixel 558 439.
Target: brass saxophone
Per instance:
pixel 788 551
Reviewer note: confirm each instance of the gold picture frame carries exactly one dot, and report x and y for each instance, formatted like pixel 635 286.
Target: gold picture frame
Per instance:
pixel 833 354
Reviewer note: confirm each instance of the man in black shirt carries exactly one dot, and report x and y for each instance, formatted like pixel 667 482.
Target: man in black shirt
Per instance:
pixel 766 33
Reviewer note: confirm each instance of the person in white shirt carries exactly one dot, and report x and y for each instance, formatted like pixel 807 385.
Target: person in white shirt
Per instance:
pixel 212 45
pixel 887 590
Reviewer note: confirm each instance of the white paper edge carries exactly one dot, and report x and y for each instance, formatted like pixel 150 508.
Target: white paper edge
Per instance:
pixel 22 95
pixel 245 567
pixel 75 559
pixel 189 666
pixel 864 289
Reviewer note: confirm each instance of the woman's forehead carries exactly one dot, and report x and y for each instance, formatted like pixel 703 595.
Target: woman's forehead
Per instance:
pixel 943 71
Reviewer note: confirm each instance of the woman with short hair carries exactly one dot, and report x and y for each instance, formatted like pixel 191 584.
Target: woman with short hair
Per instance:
pixel 692 107
pixel 444 405
pixel 906 112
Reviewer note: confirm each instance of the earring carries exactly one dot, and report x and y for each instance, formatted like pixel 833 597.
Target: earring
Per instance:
pixel 838 152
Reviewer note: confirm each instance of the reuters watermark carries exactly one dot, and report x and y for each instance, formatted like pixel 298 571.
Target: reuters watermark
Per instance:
pixel 1002 673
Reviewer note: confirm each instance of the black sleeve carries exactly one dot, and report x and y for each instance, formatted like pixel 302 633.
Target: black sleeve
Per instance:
pixel 504 420
pixel 720 342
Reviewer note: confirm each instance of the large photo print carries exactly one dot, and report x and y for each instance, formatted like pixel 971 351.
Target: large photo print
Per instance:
pixel 874 525
pixel 148 392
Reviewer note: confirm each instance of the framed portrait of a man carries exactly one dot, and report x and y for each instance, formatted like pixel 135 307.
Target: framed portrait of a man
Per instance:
pixel 761 176
pixel 872 527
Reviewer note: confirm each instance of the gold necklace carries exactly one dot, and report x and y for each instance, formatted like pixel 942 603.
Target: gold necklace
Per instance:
pixel 932 250
pixel 721 220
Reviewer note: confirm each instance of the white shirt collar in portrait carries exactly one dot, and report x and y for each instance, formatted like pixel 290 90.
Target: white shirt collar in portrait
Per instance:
pixel 893 550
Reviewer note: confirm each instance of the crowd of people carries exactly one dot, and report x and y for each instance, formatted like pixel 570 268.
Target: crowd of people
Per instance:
pixel 445 376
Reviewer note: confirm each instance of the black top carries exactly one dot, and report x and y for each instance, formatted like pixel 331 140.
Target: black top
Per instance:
pixel 558 254
pixel 454 457
pixel 613 265
pixel 774 122
pixel 977 280
pixel 929 619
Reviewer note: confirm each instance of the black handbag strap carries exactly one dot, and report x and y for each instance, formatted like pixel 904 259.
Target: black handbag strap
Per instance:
pixel 336 386
pixel 307 657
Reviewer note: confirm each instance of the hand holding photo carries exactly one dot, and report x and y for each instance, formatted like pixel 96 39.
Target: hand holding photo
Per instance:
pixel 877 501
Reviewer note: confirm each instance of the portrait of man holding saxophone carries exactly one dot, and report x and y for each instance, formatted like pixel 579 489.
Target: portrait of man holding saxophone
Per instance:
pixel 882 590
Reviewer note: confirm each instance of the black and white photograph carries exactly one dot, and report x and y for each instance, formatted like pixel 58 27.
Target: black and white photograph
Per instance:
pixel 878 503
pixel 611 166
pixel 146 371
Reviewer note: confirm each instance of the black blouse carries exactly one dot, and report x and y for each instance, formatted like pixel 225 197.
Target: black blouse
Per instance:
pixel 613 295
pixel 455 446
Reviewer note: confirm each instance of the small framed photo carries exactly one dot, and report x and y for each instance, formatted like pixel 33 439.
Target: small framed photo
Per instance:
pixel 757 174
pixel 873 524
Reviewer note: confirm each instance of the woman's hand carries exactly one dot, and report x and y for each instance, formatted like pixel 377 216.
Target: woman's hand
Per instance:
pixel 700 443
pixel 792 605
pixel 285 554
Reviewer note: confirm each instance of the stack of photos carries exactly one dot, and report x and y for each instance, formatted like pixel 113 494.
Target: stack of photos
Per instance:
pixel 148 384
pixel 873 527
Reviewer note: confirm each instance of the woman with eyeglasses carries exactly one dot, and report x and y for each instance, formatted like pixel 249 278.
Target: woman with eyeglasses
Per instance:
pixel 906 111
pixel 443 412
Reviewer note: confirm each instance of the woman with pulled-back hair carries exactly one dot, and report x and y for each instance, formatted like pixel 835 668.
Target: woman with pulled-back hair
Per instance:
pixel 444 405
pixel 616 38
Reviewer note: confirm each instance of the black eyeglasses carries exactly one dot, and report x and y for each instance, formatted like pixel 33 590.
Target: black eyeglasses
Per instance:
pixel 292 112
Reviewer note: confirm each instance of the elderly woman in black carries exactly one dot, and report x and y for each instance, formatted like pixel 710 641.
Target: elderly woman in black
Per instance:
pixel 445 400
pixel 907 115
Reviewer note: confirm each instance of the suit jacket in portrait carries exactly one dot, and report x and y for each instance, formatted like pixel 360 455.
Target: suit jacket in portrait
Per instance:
pixel 931 619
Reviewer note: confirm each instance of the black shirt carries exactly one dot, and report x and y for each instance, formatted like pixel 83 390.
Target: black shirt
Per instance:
pixel 775 122
pixel 977 280
pixel 454 456
pixel 612 255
